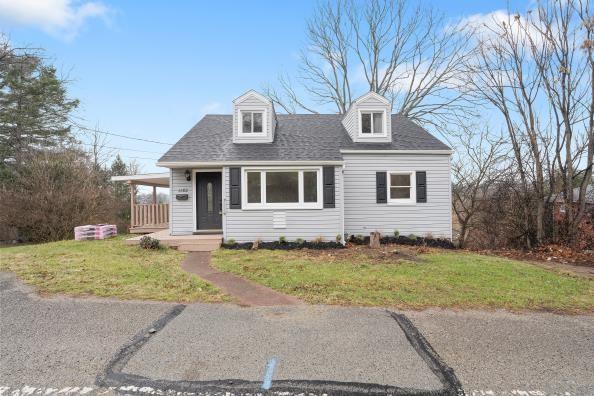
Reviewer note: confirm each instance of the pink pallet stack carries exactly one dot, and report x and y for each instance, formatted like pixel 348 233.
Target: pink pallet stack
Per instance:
pixel 94 231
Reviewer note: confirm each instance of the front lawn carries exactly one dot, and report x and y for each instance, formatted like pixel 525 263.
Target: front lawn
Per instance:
pixel 410 278
pixel 106 268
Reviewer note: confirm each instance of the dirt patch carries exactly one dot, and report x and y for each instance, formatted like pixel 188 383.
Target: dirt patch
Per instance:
pixel 386 254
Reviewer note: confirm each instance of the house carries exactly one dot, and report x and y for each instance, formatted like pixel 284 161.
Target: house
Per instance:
pixel 255 174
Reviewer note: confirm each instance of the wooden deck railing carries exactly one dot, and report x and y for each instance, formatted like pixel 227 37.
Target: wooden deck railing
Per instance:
pixel 149 214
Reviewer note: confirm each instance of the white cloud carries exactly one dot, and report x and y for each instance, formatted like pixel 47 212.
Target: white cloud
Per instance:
pixel 58 17
pixel 490 25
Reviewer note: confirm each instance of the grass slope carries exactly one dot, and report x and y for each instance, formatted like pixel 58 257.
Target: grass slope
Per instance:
pixel 439 279
pixel 106 268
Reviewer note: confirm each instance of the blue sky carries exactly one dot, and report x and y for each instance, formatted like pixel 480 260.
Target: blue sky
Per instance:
pixel 152 69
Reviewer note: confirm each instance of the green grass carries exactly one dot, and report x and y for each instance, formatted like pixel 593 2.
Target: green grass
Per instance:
pixel 106 268
pixel 443 279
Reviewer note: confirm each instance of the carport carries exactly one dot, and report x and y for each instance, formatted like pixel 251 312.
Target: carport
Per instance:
pixel 147 217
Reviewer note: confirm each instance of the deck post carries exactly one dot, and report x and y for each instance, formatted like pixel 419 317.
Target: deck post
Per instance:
pixel 132 199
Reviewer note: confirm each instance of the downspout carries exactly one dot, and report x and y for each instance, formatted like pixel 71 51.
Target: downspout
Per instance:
pixel 343 239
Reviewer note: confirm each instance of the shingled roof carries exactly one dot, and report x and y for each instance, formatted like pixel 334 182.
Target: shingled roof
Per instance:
pixel 299 137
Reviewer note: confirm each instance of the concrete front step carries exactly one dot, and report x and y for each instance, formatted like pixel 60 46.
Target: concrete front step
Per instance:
pixel 198 247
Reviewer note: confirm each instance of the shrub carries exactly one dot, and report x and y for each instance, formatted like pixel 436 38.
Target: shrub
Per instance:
pixel 319 239
pixel 429 236
pixel 146 242
pixel 396 233
pixel 282 239
pixel 412 237
pixel 338 238
pixel 230 241
pixel 300 241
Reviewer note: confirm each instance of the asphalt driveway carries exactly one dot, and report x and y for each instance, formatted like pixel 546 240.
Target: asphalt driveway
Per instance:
pixel 87 346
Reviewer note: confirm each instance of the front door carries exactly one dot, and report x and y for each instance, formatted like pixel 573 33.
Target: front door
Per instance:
pixel 209 204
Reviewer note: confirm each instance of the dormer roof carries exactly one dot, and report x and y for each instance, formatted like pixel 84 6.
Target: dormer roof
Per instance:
pixel 251 93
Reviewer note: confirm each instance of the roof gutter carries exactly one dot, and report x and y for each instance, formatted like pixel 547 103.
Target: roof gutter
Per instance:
pixel 438 152
pixel 193 164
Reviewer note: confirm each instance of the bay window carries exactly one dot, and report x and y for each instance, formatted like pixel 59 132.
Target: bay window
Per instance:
pixel 282 188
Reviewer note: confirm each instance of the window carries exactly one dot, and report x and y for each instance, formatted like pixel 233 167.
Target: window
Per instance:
pixel 253 187
pixel 209 198
pixel 401 187
pixel 372 123
pixel 283 188
pixel 252 122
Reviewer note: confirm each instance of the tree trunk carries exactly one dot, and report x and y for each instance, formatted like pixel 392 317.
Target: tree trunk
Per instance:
pixel 374 240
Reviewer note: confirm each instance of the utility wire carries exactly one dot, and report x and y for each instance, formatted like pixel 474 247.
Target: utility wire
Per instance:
pixel 143 158
pixel 122 136
pixel 121 148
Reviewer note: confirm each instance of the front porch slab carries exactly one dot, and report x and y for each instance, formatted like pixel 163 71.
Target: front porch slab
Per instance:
pixel 186 243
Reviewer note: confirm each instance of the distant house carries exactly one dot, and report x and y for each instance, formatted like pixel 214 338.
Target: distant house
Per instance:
pixel 560 204
pixel 255 174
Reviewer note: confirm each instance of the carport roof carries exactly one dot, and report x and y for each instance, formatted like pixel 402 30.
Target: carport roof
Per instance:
pixel 147 179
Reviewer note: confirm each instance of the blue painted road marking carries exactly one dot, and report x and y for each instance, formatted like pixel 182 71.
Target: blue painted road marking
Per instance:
pixel 267 383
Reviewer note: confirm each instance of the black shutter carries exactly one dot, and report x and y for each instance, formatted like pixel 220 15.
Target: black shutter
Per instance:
pixel 381 191
pixel 328 181
pixel 421 186
pixel 234 188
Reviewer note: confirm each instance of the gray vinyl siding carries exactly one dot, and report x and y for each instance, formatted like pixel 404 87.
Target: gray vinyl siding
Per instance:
pixel 309 224
pixel 269 122
pixel 350 122
pixel 182 212
pixel 351 119
pixel 363 215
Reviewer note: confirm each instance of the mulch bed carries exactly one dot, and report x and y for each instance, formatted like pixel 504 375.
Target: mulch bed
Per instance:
pixel 284 245
pixel 404 240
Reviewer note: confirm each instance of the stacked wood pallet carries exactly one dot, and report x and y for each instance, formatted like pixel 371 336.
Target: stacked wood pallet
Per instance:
pixel 94 231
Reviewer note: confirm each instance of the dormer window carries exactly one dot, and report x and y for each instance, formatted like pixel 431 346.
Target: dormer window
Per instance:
pixel 372 123
pixel 251 122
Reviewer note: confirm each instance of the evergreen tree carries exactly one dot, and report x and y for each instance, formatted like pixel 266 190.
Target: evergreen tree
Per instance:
pixel 34 107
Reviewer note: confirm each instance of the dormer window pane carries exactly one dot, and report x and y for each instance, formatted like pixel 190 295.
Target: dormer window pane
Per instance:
pixel 257 122
pixel 251 122
pixel 366 123
pixel 378 123
pixel 372 123
pixel 247 122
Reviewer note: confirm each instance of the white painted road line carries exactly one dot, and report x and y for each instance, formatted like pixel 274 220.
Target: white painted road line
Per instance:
pixel 267 383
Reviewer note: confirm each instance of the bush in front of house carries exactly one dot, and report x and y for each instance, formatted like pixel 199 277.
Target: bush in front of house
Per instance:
pixel 412 240
pixel 146 242
pixel 318 244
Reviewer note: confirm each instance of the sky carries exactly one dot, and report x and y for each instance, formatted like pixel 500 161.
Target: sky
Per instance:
pixel 152 69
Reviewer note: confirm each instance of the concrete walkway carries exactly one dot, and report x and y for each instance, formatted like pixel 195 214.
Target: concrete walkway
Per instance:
pixel 248 293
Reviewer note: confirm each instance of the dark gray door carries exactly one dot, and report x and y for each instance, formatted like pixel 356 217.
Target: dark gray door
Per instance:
pixel 209 201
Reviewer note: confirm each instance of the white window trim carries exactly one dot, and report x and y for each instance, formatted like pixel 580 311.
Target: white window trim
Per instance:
pixel 413 190
pixel 254 134
pixel 274 206
pixel 373 135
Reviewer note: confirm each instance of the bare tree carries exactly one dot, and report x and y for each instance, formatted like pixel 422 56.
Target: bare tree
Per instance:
pixel 398 49
pixel 587 20
pixel 98 149
pixel 480 162
pixel 535 69
pixel 504 74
